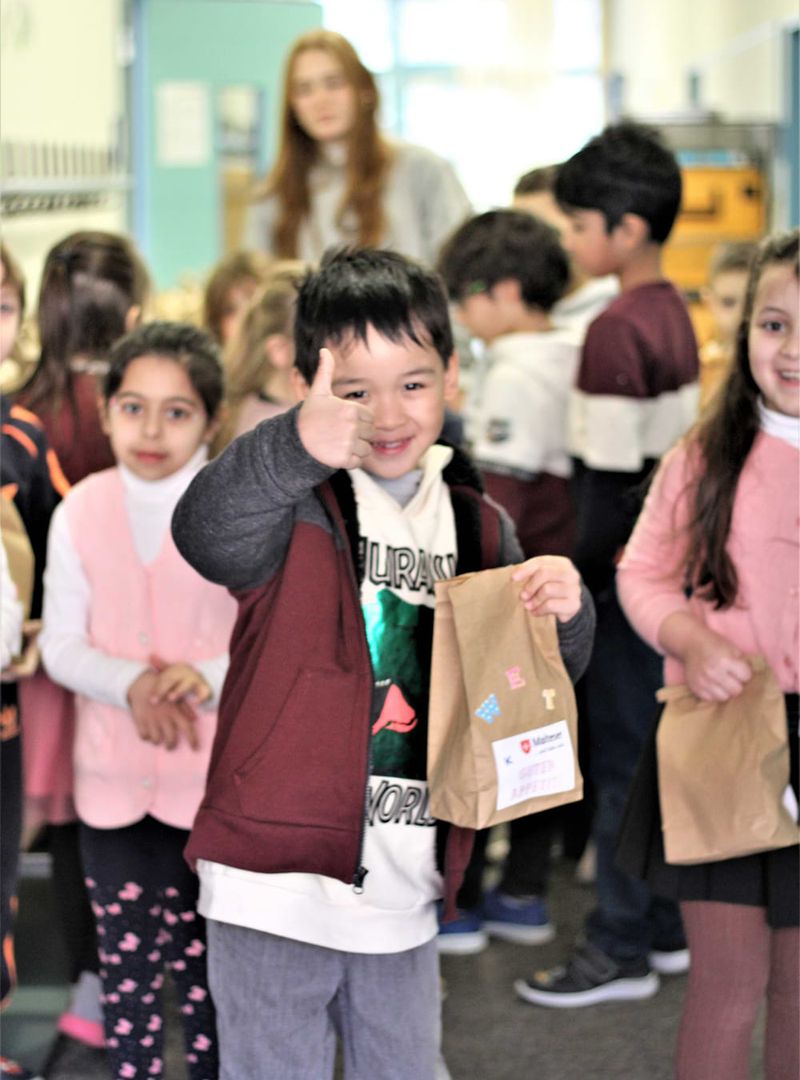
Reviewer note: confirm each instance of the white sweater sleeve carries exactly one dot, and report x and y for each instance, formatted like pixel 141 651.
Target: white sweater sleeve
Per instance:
pixel 214 672
pixel 67 655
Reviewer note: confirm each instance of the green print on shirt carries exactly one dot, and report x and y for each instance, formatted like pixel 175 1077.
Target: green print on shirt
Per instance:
pixel 400 637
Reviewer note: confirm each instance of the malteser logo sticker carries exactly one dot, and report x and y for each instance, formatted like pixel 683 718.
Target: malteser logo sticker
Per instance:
pixel 533 763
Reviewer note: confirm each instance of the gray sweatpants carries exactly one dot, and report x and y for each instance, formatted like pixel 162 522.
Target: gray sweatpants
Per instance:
pixel 281 1005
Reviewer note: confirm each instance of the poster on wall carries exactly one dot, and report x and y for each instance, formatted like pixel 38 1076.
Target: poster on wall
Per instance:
pixel 183 125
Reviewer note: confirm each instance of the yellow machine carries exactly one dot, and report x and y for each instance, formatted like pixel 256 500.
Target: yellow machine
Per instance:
pixel 721 204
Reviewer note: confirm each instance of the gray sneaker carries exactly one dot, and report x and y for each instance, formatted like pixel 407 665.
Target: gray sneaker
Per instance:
pixel 589 978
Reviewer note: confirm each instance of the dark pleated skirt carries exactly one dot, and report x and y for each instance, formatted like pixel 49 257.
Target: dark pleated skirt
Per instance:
pixel 770 879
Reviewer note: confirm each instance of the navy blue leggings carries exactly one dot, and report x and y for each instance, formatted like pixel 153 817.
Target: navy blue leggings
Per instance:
pixel 144 898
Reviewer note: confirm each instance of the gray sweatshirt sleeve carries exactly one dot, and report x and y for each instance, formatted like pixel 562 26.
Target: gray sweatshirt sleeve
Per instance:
pixel 259 222
pixel 234 522
pixel 576 637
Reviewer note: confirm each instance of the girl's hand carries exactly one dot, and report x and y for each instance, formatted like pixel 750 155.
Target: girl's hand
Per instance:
pixel 178 682
pixel 164 723
pixel 551 586
pixel 715 669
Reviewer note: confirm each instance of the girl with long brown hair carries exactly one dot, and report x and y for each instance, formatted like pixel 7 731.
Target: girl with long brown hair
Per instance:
pixel 336 177
pixel 94 285
pixel 710 578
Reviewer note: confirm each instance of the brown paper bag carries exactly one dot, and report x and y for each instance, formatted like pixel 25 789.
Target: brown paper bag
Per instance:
pixel 502 725
pixel 723 770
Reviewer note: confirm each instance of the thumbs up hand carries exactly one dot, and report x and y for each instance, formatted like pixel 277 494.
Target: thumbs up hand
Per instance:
pixel 334 431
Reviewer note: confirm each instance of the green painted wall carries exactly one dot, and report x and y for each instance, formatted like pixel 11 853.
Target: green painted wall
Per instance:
pixel 216 43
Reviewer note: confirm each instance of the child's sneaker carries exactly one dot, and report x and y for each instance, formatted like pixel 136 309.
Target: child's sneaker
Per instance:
pixel 589 978
pixel 462 936
pixel 522 920
pixel 671 961
pixel 14 1071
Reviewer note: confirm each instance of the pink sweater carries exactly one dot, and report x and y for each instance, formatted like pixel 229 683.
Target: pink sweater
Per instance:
pixel 137 609
pixel 763 544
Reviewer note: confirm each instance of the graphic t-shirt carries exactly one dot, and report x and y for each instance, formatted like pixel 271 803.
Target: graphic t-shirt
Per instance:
pixel 403 550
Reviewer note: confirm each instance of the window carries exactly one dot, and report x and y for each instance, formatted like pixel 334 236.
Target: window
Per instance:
pixel 496 86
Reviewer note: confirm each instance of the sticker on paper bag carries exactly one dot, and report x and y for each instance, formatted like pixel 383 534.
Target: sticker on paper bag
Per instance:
pixel 537 762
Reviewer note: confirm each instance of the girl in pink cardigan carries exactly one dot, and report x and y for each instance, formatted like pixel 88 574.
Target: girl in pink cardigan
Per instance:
pixel 710 576
pixel 142 640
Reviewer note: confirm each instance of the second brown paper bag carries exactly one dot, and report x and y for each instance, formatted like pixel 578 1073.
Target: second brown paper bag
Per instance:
pixel 723 769
pixel 502 739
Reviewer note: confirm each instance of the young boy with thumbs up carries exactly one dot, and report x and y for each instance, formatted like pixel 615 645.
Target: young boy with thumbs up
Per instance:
pixel 316 851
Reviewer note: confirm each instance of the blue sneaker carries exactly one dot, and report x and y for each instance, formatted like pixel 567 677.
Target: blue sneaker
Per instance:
pixel 522 920
pixel 462 936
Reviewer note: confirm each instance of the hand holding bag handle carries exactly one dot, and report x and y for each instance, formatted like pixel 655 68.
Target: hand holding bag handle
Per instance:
pixel 723 769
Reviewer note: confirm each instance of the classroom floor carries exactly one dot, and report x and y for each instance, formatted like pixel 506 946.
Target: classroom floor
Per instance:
pixel 488 1033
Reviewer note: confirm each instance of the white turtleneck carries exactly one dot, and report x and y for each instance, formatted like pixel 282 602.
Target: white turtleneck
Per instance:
pixel 67 655
pixel 779 425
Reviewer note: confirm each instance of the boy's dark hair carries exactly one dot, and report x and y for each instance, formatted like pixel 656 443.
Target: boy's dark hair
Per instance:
pixel 725 439
pixel 193 349
pixel 627 169
pixel 501 245
pixel 355 288
pixel 728 258
pixel 536 180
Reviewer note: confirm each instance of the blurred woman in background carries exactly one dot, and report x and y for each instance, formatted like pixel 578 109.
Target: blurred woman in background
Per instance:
pixel 337 178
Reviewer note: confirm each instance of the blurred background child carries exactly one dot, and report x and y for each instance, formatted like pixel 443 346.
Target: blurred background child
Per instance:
pixel 229 289
pixel 12 308
pixel 585 296
pixel 145 684
pixel 635 395
pixel 93 289
pixel 504 271
pixel 260 356
pixel 724 297
pixel 32 484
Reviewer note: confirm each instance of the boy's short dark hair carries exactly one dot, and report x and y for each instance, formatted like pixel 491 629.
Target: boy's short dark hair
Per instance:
pixel 536 180
pixel 729 258
pixel 501 245
pixel 193 349
pixel 355 288
pixel 627 169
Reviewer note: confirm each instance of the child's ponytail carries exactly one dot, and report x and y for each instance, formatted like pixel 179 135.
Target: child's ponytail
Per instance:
pixel 90 282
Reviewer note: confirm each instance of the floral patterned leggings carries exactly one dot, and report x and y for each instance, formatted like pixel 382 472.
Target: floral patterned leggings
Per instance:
pixel 144 898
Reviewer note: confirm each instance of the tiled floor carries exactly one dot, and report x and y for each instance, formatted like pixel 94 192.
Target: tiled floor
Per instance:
pixel 488 1033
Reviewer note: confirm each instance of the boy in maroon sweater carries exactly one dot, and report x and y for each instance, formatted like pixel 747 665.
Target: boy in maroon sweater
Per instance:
pixel 636 393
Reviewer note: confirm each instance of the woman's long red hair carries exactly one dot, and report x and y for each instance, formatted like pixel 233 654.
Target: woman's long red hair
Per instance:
pixel 369 156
